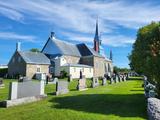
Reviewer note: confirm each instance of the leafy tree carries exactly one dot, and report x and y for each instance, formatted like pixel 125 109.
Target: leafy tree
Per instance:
pixel 34 50
pixel 145 56
pixel 123 70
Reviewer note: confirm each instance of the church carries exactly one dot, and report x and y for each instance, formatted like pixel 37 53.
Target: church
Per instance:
pixel 75 57
pixel 57 56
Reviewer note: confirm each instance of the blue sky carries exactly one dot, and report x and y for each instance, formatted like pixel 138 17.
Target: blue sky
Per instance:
pixel 31 21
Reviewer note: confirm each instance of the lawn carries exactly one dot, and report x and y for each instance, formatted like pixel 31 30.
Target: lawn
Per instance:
pixel 121 101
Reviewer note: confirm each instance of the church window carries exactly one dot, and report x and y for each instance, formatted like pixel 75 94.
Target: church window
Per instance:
pixel 51 69
pixel 38 69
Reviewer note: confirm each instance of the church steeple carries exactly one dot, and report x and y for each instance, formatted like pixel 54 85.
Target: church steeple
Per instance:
pixel 96 39
pixel 111 56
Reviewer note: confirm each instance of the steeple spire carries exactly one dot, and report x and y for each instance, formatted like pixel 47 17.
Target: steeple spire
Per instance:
pixel 96 33
pixel 111 56
pixel 97 41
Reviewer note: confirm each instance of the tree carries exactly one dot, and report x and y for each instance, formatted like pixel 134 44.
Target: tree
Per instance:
pixel 34 50
pixel 145 55
pixel 122 70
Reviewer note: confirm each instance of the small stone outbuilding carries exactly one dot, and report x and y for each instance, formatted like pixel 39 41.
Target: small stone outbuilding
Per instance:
pixel 28 64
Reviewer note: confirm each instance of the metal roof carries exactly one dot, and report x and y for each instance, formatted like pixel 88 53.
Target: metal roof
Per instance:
pixel 76 65
pixel 66 48
pixel 86 51
pixel 34 57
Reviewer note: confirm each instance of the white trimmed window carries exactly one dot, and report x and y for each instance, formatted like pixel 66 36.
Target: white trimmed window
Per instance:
pixel 38 69
pixel 51 69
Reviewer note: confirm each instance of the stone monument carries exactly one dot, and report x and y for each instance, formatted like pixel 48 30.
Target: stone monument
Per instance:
pixel 24 92
pixel 1 83
pixel 95 82
pixel 61 87
pixel 82 84
pixel 104 81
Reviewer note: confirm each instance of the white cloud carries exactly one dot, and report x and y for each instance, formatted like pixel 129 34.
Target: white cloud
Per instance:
pixel 80 16
pixel 111 40
pixel 17 37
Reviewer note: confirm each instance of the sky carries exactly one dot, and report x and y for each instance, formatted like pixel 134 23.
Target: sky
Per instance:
pixel 31 21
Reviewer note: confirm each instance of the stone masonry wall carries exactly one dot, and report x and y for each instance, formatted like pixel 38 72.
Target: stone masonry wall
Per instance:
pixel 72 59
pixel 31 69
pixel 16 65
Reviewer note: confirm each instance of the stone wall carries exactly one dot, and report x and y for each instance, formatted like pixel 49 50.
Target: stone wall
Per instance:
pixel 31 69
pixel 153 109
pixel 16 65
pixel 99 69
pixel 71 59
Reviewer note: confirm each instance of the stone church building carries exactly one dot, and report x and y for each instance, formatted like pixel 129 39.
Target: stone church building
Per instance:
pixel 72 58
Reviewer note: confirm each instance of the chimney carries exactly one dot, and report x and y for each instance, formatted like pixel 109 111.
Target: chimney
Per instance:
pixel 18 46
pixel 52 34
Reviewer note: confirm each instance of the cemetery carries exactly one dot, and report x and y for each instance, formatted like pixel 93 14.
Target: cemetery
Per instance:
pixel 72 74
pixel 83 102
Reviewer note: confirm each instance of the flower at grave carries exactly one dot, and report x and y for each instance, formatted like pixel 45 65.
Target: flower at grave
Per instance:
pixel 150 87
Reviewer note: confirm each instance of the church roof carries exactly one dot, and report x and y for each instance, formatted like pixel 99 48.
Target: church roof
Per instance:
pixel 67 48
pixel 86 51
pixel 60 47
pixel 55 47
pixel 34 57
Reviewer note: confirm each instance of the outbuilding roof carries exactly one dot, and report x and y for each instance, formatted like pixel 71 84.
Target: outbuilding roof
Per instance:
pixel 34 57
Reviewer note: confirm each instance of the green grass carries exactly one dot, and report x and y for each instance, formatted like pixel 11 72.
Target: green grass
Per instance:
pixel 121 101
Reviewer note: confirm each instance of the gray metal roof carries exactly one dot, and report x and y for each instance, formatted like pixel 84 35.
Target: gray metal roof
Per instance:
pixel 67 48
pixel 34 57
pixel 77 65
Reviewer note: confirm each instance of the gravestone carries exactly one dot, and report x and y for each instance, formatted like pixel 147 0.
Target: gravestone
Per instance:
pixel 20 79
pixel 124 77
pixel 1 83
pixel 62 87
pixel 116 79
pixel 82 84
pixel 120 78
pixel 24 92
pixel 55 80
pixel 26 79
pixel 95 82
pixel 111 80
pixel 70 78
pixel 104 81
